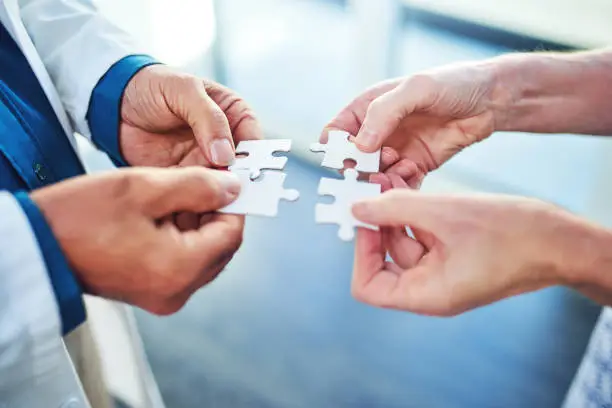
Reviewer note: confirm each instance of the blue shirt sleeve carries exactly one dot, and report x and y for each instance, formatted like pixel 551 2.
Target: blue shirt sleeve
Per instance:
pixel 104 110
pixel 67 290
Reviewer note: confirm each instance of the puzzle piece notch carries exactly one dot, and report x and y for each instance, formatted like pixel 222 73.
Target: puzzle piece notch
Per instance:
pixel 346 192
pixel 261 196
pixel 260 156
pixel 339 149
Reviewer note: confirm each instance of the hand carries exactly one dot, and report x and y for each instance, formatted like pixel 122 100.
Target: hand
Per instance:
pixel 470 251
pixel 423 120
pixel 173 119
pixel 113 230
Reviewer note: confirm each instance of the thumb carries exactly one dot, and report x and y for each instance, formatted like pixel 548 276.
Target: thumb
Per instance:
pixel 402 207
pixel 208 123
pixel 385 113
pixel 192 189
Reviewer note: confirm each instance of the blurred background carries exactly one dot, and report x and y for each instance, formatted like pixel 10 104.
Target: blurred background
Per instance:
pixel 279 327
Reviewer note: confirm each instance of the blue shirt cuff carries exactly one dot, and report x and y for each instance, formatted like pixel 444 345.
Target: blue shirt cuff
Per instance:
pixel 67 290
pixel 104 113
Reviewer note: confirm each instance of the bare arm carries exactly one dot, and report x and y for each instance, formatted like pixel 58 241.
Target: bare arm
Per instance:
pixel 555 92
pixel 423 120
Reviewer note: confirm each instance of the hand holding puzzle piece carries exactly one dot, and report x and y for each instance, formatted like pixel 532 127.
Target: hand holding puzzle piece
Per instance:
pixel 262 190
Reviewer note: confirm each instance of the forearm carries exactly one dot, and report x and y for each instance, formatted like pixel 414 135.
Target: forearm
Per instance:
pixel 555 92
pixel 582 254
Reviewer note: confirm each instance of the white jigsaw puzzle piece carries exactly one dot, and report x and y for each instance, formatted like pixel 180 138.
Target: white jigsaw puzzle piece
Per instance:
pixel 260 155
pixel 346 192
pixel 339 148
pixel 261 196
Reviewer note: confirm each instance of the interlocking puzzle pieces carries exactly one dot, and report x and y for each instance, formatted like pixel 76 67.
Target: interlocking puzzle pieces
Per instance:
pixel 260 156
pixel 260 196
pixel 346 192
pixel 339 148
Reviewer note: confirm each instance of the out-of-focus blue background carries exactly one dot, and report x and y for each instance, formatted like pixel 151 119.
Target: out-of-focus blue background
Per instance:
pixel 279 328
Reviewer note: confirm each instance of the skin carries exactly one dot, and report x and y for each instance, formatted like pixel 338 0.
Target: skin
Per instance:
pixel 173 119
pixel 469 251
pixel 123 247
pixel 154 238
pixel 169 118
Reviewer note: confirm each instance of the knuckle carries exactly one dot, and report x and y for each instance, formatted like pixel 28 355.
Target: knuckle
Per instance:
pixel 131 186
pixel 217 116
pixel 212 273
pixel 377 106
pixel 189 81
pixel 165 307
pixel 230 241
pixel 193 89
pixel 171 287
pixel 444 311
pixel 234 235
pixel 232 247
pixel 448 306
pixel 420 82
pixel 123 186
pixel 147 182
pixel 426 88
pixel 179 85
pixel 358 294
pixel 229 247
pixel 143 187
pixel 389 155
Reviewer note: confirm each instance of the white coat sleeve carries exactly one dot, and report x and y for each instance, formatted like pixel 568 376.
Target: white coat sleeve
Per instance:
pixel 77 45
pixel 35 370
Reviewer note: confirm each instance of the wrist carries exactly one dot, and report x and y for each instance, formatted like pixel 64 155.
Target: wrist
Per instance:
pixel 104 112
pixel 519 94
pixel 65 286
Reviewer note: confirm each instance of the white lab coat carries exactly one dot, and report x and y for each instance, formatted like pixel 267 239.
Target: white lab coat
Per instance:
pixel 69 46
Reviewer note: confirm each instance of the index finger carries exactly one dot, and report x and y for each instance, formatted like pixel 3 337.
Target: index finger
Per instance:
pixel 369 258
pixel 375 281
pixel 215 242
pixel 385 113
pixel 351 117
pixel 243 123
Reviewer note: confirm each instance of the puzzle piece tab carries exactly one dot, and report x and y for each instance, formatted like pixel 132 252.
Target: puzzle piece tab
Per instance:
pixel 339 148
pixel 260 155
pixel 261 196
pixel 346 192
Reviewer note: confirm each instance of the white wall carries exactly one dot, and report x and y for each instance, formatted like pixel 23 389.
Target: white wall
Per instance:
pixel 178 33
pixel 582 23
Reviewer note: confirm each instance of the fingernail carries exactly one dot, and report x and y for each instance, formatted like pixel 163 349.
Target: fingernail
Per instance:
pixel 230 183
pixel 366 138
pixel 221 152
